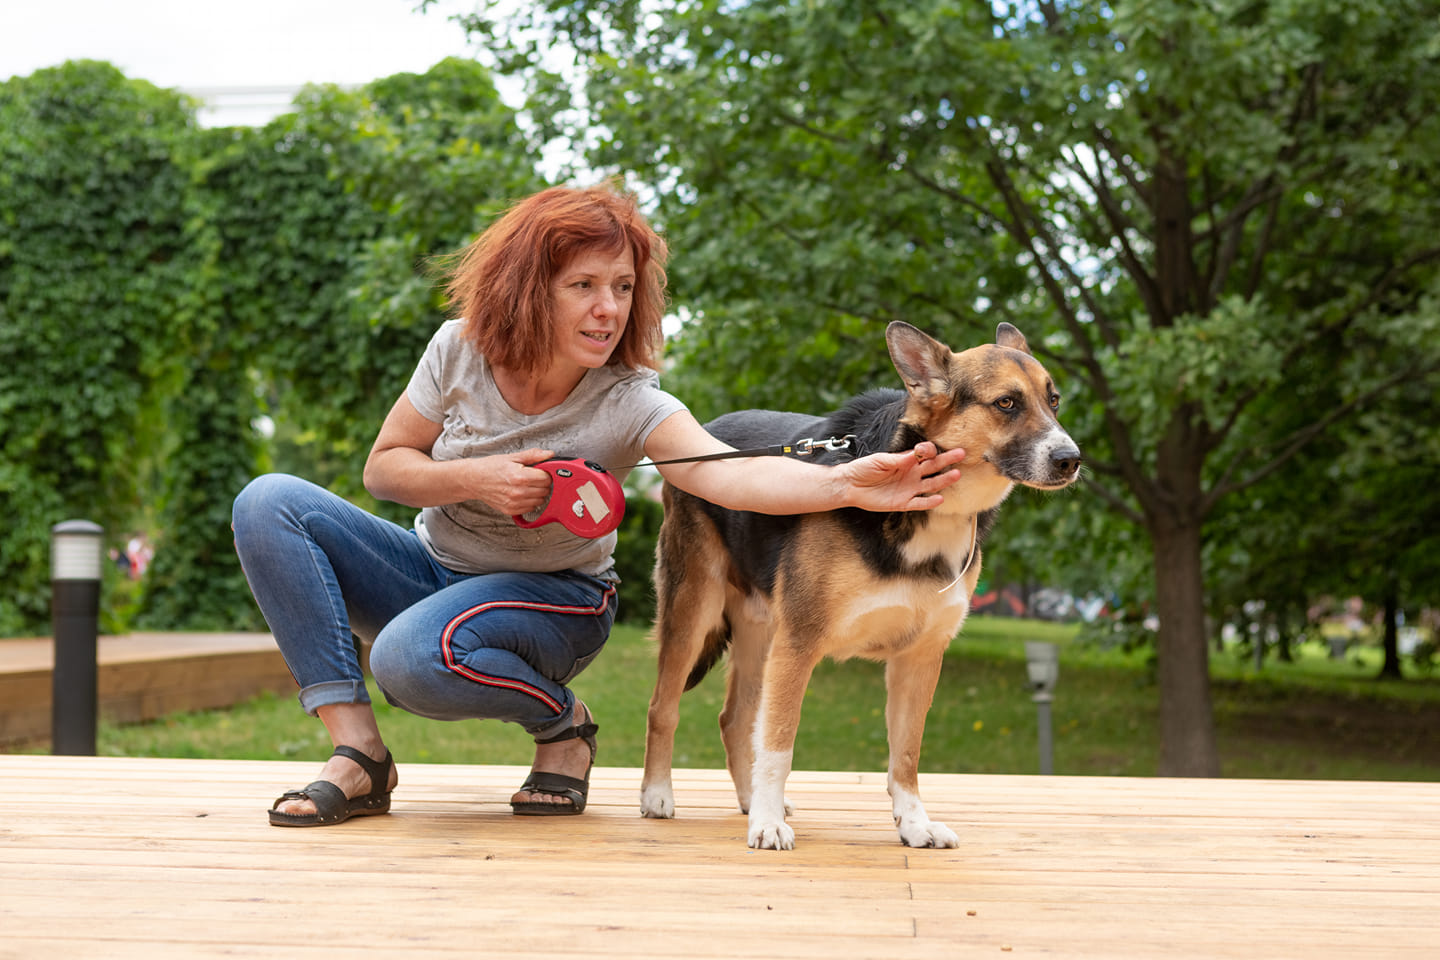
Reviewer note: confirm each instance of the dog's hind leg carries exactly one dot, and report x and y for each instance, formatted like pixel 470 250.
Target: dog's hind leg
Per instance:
pixel 689 626
pixel 910 680
pixel 679 648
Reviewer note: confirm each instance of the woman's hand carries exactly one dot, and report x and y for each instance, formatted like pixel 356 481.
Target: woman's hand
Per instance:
pixel 911 480
pixel 510 482
pixel 401 469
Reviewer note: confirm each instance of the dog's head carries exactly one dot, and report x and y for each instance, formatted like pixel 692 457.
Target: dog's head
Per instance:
pixel 996 401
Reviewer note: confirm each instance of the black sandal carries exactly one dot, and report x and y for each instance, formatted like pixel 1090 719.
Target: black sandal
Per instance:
pixel 557 784
pixel 331 804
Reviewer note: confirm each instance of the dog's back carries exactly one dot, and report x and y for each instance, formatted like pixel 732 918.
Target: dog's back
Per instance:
pixel 753 541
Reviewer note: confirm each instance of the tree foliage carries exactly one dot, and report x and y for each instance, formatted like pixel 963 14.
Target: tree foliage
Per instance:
pixel 91 267
pixel 163 287
pixel 1215 220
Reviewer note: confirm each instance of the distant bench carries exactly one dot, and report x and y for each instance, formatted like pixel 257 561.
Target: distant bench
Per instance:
pixel 142 676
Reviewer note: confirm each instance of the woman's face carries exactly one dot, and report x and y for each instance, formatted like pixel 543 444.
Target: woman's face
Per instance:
pixel 592 295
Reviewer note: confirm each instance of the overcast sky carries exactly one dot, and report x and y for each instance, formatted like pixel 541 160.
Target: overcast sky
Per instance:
pixel 215 48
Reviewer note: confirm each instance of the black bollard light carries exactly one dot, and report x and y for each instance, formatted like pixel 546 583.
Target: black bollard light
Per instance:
pixel 75 615
pixel 1042 664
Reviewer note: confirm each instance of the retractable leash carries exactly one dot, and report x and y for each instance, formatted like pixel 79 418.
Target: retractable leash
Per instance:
pixel 587 500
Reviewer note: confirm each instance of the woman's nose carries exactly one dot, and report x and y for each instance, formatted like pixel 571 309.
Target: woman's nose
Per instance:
pixel 605 301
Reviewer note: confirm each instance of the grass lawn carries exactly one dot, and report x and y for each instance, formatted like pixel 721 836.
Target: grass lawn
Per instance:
pixel 1315 718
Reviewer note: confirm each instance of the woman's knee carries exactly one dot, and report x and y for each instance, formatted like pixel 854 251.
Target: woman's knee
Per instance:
pixel 385 666
pixel 264 497
pixel 405 680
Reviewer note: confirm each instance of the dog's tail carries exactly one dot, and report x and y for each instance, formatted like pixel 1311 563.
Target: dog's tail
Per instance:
pixel 717 641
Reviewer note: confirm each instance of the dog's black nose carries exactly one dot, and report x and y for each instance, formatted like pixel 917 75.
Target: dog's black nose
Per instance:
pixel 1065 461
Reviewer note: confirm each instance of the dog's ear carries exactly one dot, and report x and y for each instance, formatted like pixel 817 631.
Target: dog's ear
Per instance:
pixel 1007 336
pixel 921 360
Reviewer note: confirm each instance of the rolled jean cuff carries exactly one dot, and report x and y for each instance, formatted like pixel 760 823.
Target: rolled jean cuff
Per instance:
pixel 318 695
pixel 561 724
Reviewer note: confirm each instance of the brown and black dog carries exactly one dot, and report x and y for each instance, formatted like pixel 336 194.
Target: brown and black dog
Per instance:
pixel 784 592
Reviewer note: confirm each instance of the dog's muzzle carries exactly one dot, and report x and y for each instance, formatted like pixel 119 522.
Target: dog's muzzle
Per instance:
pixel 1066 463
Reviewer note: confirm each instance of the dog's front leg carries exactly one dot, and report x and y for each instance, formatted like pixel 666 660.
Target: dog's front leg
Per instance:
pixel 910 680
pixel 787 673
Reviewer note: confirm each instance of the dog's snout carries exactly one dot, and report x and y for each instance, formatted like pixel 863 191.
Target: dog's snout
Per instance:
pixel 1065 461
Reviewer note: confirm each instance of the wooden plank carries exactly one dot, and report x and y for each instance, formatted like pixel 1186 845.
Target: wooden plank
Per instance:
pixel 122 857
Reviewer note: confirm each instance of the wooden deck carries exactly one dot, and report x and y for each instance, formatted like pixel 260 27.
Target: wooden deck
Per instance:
pixel 174 858
pixel 141 676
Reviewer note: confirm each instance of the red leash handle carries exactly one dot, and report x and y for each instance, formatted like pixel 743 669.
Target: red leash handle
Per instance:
pixel 585 499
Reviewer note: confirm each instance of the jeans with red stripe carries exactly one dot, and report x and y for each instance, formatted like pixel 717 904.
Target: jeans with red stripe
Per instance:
pixel 447 645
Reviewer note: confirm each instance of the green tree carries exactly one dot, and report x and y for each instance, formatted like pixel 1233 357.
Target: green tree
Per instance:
pixel 1350 518
pixel 162 286
pixel 314 239
pixel 269 235
pixel 426 161
pixel 91 265
pixel 1215 219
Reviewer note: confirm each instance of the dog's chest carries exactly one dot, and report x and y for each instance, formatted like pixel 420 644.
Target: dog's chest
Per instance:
pixel 894 615
pixel 948 538
pixel 895 612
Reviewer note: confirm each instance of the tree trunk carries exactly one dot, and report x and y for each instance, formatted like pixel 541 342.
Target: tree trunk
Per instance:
pixel 1391 668
pixel 1187 720
pixel 1286 617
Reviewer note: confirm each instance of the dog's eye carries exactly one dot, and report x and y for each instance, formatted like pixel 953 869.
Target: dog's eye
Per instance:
pixel 1005 403
pixel 1054 401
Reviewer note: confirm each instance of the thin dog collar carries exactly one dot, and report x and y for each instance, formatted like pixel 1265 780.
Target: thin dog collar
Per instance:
pixel 969 559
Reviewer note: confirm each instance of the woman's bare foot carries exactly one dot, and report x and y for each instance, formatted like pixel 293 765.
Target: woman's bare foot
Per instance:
pixel 569 758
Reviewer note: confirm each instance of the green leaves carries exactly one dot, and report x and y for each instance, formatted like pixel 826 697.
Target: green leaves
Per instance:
pixel 162 287
pixel 1204 363
pixel 89 266
pixel 1215 222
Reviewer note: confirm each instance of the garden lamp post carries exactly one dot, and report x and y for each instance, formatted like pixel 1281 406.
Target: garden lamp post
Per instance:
pixel 1042 664
pixel 75 614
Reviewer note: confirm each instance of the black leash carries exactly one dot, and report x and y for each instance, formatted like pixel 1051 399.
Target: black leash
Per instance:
pixel 800 448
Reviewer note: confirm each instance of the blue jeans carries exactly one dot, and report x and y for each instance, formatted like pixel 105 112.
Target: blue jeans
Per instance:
pixel 447 645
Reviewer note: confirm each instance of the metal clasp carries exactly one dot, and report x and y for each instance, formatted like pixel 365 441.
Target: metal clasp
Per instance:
pixel 807 446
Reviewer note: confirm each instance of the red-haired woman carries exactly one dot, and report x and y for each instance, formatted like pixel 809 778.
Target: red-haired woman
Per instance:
pixel 470 616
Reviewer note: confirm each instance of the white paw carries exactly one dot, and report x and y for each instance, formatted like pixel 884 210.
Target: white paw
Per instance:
pixel 771 836
pixel 927 833
pixel 657 803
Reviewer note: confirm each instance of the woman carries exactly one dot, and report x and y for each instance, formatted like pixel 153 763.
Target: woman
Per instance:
pixel 470 615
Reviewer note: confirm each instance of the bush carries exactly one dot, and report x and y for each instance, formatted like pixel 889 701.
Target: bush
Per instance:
pixel 635 558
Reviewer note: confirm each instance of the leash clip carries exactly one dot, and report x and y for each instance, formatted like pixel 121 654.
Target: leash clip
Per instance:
pixel 807 446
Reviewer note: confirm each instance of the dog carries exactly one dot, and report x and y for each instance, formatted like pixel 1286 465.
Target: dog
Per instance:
pixel 783 592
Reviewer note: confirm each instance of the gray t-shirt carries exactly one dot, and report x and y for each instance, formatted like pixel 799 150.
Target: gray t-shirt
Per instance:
pixel 606 418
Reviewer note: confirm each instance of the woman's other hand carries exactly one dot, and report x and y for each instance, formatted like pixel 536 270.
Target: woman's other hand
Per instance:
pixel 909 480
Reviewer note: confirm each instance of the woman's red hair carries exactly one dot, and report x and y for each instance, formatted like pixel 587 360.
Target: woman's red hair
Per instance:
pixel 500 284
